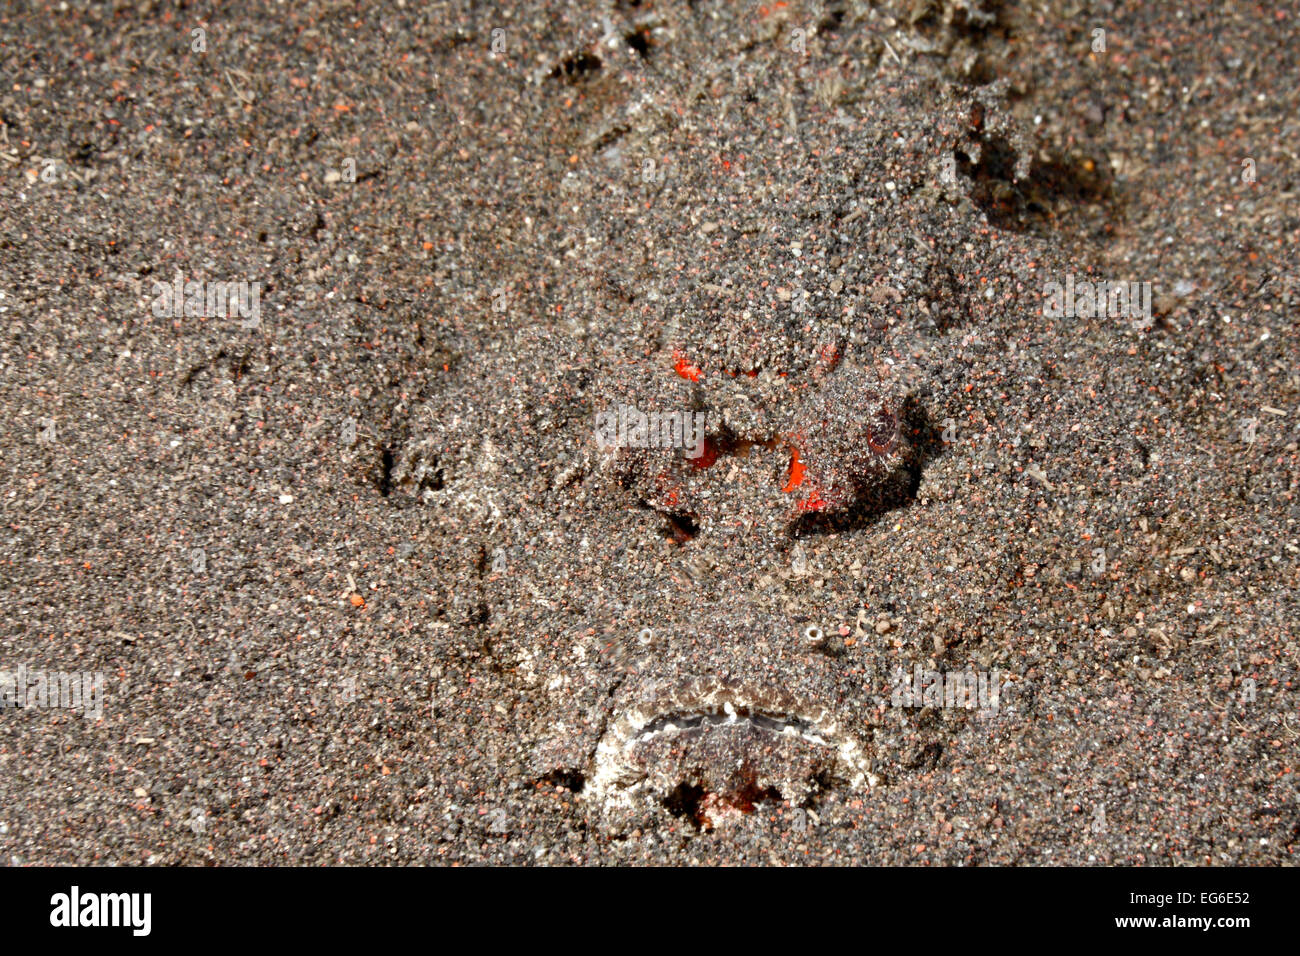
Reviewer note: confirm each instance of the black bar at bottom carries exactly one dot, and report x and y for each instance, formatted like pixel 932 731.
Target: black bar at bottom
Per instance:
pixel 337 907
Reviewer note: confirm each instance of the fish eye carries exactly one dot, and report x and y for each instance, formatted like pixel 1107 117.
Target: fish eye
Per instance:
pixel 882 433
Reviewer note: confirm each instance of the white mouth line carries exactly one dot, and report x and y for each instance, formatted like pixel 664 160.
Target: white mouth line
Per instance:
pixel 770 722
pixel 718 706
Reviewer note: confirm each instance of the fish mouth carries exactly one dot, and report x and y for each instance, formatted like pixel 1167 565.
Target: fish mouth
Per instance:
pixel 725 742
pixel 729 715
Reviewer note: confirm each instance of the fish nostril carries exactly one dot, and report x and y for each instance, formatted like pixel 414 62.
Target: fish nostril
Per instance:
pixel 682 527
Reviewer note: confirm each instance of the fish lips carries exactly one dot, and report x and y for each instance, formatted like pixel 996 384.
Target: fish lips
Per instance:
pixel 737 739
